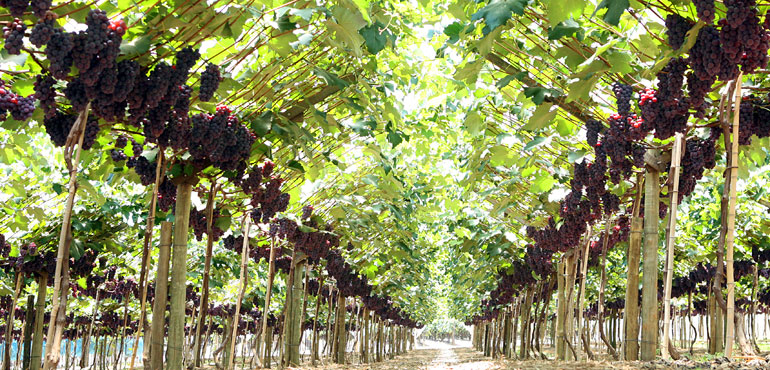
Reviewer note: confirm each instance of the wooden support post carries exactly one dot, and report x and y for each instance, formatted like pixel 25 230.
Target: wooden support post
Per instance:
pixel 676 158
pixel 178 288
pixel 650 262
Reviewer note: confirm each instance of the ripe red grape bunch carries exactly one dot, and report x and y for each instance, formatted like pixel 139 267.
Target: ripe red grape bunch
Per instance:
pixel 21 108
pixel 209 82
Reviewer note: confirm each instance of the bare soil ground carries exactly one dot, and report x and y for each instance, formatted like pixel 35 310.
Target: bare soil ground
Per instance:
pixel 442 356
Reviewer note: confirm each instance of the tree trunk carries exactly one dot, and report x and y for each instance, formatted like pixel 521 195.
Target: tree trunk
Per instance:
pixel 304 304
pixel 732 172
pixel 379 340
pixel 146 255
pixel 753 310
pixel 61 275
pixel 87 341
pixel 28 318
pixel 650 263
pixel 365 340
pixel 241 288
pixel 328 342
pixel 37 338
pixel 603 284
pixel 631 310
pixel 561 312
pixel 716 339
pixel 178 288
pixel 9 324
pixel 525 327
pixel 340 330
pixel 292 326
pixel 158 327
pixel 266 312
pixel 506 334
pixel 582 291
pixel 314 345
pixel 572 268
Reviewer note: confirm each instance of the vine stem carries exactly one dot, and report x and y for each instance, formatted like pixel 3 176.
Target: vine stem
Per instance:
pixel 61 282
pixel 146 255
pixel 243 282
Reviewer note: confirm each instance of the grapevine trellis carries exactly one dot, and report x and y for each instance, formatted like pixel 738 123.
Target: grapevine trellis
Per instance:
pixel 259 183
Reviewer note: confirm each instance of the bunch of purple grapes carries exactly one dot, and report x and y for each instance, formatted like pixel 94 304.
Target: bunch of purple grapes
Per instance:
pixel 219 140
pixel 14 36
pixel 539 260
pixel 666 110
pixel 744 39
pixel 676 29
pixel 699 155
pixel 266 196
pixel 166 194
pixel 198 221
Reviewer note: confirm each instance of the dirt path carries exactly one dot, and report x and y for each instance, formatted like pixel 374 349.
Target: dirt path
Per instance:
pixel 430 356
pixel 443 356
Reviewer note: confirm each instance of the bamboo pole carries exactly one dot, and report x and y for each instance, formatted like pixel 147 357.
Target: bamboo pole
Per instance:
pixel 676 158
pixel 158 323
pixel 241 289
pixel 175 346
pixel 37 338
pixel 650 263
pixel 730 237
